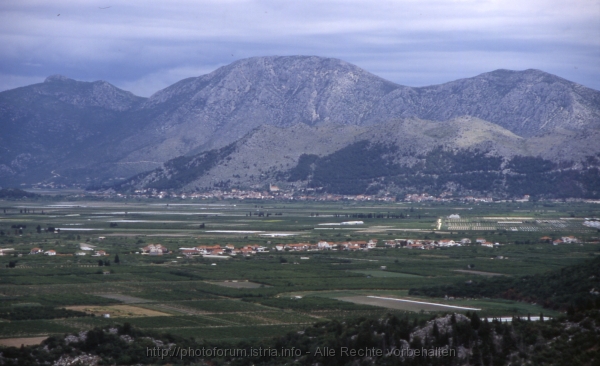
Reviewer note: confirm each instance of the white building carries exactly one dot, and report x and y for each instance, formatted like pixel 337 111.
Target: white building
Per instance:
pixel 569 239
pixel 323 245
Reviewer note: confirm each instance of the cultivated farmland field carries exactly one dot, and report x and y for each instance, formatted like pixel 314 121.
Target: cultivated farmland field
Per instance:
pixel 117 311
pixel 404 304
pixel 238 284
pixel 100 268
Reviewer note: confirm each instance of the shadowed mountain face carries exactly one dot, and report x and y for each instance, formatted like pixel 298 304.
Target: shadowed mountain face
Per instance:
pixel 91 132
pixel 57 125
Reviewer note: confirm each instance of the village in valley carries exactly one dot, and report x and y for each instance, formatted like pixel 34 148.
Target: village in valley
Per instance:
pixel 246 249
pixel 362 245
pixel 218 251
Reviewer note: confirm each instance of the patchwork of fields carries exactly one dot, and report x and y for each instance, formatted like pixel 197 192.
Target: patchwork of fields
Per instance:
pixel 263 294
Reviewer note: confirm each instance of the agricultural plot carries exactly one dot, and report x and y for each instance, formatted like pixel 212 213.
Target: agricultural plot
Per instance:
pixel 272 292
pixel 18 342
pixel 124 298
pixel 223 306
pixel 384 274
pixel 404 304
pixel 481 273
pixel 238 284
pixel 33 328
pixel 494 307
pixel 118 311
pixel 515 224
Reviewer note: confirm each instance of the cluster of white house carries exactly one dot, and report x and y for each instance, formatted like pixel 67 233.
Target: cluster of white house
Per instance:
pixel 561 240
pixel 157 249
pixel 219 250
pixel 154 249
pixel 296 247
pixel 51 252
pixel 431 244
pixel 594 223
pixel 229 249
pixel 323 245
pixel 4 251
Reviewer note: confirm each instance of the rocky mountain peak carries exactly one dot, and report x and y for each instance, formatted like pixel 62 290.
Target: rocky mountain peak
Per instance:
pixel 86 94
pixel 531 76
pixel 280 77
pixel 57 77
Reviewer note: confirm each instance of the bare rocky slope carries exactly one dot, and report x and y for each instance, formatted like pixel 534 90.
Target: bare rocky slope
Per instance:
pixel 214 110
pixel 70 131
pixel 528 103
pixel 465 155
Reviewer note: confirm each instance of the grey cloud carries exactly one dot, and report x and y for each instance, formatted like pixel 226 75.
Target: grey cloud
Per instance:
pixel 147 45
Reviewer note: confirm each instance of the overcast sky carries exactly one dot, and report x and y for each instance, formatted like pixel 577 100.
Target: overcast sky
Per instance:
pixel 143 46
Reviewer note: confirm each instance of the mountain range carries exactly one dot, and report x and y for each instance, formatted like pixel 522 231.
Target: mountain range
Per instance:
pixel 282 120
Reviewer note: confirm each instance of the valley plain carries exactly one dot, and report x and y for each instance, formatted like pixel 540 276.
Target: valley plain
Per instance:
pixel 266 292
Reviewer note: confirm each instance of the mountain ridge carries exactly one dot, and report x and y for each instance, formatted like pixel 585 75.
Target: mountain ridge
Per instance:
pixel 95 132
pixel 464 156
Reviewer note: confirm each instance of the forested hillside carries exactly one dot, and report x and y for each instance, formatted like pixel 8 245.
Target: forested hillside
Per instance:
pixel 364 167
pixel 15 193
pixel 573 288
